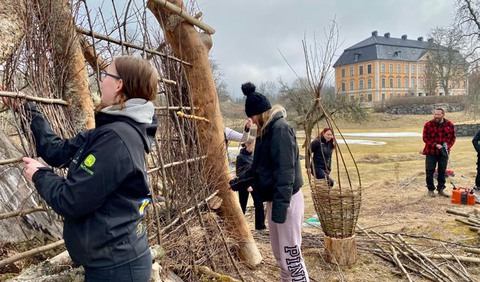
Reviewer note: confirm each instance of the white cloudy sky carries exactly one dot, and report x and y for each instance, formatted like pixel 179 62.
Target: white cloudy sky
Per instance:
pixel 249 34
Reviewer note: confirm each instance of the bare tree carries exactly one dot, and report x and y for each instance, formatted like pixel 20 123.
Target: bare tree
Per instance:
pixel 220 84
pixel 445 63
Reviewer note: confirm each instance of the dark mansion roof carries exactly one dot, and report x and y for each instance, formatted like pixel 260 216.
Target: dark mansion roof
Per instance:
pixel 384 48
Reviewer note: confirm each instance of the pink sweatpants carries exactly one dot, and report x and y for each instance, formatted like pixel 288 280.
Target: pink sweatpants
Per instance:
pixel 286 241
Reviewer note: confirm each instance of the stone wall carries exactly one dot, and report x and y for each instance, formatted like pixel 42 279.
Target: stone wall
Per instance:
pixel 467 129
pixel 423 109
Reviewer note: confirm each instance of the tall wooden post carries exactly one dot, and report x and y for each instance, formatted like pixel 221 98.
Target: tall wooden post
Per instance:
pixel 76 86
pixel 192 46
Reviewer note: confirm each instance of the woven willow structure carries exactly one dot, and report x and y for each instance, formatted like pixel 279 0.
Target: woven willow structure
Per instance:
pixel 337 208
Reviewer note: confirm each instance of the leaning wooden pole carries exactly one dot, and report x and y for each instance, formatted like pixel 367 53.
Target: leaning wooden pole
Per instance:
pixel 192 46
pixel 75 79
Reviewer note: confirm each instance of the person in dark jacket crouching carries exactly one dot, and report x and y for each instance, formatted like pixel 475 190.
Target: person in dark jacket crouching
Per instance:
pixel 322 148
pixel 106 190
pixel 276 175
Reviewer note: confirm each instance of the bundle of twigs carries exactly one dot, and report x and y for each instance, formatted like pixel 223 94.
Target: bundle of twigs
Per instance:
pixel 416 256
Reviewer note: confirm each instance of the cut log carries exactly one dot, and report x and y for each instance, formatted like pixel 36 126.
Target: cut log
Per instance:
pixel 340 251
pixel 191 46
pixel 215 203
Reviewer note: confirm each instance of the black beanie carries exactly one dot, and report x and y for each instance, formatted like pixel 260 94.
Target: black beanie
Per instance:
pixel 256 103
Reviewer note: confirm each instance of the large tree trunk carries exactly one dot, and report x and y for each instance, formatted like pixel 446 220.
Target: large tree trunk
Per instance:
pixel 71 60
pixel 15 195
pixel 192 46
pixel 12 26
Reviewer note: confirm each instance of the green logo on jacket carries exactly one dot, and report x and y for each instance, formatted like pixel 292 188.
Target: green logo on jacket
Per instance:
pixel 88 162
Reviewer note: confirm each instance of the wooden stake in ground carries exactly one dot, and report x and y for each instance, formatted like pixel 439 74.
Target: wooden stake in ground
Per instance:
pixel 192 46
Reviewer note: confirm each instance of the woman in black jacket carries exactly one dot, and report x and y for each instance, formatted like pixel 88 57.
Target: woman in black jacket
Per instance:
pixel 276 175
pixel 105 193
pixel 242 164
pixel 322 148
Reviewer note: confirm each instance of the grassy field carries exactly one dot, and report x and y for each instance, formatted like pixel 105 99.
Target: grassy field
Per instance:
pixel 394 196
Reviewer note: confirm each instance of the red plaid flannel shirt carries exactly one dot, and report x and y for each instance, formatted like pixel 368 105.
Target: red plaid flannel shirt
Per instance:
pixel 437 133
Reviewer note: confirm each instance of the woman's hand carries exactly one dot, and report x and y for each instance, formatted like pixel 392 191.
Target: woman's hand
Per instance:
pixel 31 166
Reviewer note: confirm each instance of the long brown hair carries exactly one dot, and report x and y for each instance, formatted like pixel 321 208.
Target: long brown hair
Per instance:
pixel 264 118
pixel 139 77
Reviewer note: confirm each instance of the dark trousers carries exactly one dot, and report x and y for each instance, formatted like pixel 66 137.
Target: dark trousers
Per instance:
pixel 477 178
pixel 138 270
pixel 431 162
pixel 257 202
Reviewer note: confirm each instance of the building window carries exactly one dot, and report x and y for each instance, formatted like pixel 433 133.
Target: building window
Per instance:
pixel 360 70
pixel 351 85
pixel 369 83
pixel 391 82
pixel 343 73
pixel 361 84
pixel 383 96
pixel 362 97
pixel 369 68
pixel 382 69
pixel 343 85
pixel 390 69
pixel 352 98
pixel 399 68
pixel 406 82
pixel 391 96
pixel 414 69
pixel 369 97
pixel 383 82
pixel 351 71
pixel 420 83
pixel 420 69
pixel 405 68
pixel 399 82
pixel 413 83
pixel 398 95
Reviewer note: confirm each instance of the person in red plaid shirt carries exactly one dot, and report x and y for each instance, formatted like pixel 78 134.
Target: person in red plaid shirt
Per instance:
pixel 439 136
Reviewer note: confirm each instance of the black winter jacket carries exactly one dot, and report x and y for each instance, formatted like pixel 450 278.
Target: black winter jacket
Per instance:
pixel 476 143
pixel 106 190
pixel 276 168
pixel 322 157
pixel 242 165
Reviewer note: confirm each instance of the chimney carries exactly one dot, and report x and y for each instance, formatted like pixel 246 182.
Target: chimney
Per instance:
pixel 420 39
pixel 430 40
pixel 374 33
pixel 404 37
pixel 387 35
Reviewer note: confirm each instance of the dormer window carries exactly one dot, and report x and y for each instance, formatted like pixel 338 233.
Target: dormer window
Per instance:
pixel 398 54
pixel 356 56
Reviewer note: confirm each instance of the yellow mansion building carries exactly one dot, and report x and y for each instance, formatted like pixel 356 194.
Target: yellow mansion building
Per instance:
pixel 381 68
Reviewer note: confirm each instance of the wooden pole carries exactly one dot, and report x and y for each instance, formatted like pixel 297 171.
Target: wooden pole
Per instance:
pixel 67 45
pixel 192 46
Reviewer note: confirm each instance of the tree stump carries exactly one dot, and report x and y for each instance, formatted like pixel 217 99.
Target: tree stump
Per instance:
pixel 340 251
